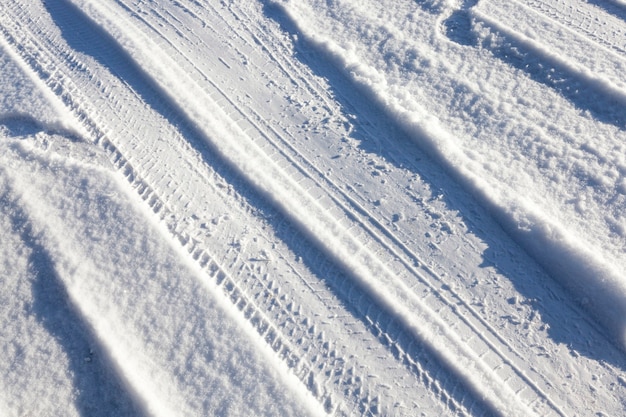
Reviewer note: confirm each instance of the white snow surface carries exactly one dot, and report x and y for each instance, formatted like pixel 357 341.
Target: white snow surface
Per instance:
pixel 305 207
pixel 558 185
pixel 101 315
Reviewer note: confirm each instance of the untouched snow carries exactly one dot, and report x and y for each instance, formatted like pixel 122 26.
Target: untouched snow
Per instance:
pixel 307 207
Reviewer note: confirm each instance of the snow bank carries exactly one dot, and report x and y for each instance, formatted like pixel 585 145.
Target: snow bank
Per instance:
pixel 531 200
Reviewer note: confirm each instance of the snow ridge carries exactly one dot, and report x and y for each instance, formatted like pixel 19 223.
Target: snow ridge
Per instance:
pixel 592 272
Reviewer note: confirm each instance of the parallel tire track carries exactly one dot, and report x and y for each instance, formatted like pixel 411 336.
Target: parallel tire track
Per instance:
pixel 555 26
pixel 278 321
pixel 353 211
pixel 40 59
pixel 558 56
pixel 582 17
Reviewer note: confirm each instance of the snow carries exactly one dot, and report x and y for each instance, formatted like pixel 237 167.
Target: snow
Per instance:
pixel 559 198
pixel 312 208
pixel 101 315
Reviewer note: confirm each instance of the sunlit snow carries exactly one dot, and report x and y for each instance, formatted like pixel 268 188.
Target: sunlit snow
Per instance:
pixel 304 207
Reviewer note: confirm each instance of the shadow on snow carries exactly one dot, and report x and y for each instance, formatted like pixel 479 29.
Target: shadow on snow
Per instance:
pixel 395 147
pixel 99 392
pixel 582 92
pixel 387 140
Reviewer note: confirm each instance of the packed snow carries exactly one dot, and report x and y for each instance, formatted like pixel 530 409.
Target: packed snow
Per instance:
pixel 92 290
pixel 307 207
pixel 558 185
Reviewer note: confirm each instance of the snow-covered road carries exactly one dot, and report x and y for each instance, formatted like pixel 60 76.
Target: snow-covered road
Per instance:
pixel 307 207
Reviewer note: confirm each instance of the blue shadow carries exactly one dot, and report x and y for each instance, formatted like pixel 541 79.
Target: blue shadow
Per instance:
pixel 99 391
pixel 386 139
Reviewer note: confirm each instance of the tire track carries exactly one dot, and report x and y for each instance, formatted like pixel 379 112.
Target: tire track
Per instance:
pixel 517 372
pixel 243 276
pixel 583 17
pixel 368 222
pixel 582 33
pixel 469 98
pixel 412 259
pixel 75 83
pixel 592 81
pixel 58 84
pixel 432 282
pixel 256 316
